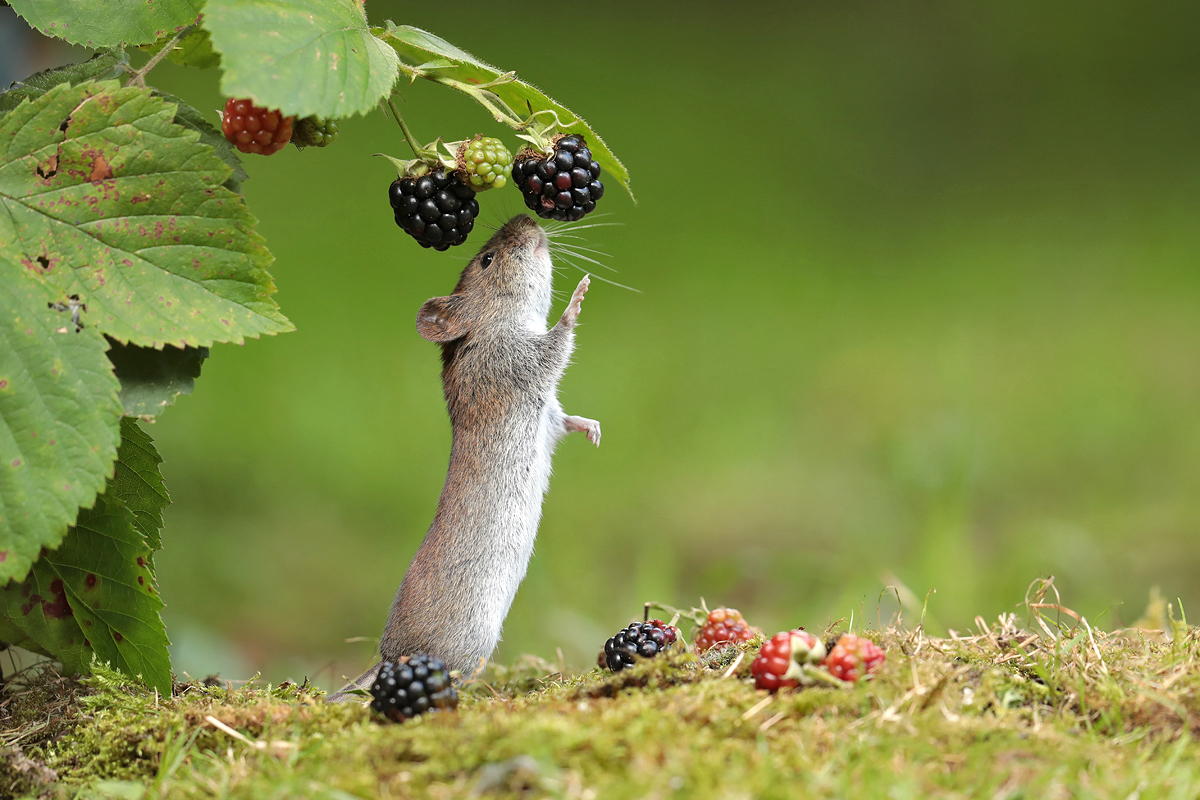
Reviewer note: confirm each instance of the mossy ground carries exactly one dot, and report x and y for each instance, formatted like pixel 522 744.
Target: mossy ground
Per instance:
pixel 1042 710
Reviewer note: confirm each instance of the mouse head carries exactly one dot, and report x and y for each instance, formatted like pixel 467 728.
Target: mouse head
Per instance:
pixel 506 285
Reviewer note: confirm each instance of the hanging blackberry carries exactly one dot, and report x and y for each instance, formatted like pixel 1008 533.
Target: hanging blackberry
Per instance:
pixel 563 184
pixel 253 129
pixel 437 209
pixel 484 162
pixel 403 690
pixel 639 640
pixel 314 132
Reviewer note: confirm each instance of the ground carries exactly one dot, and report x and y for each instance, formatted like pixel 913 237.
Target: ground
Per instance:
pixel 1039 707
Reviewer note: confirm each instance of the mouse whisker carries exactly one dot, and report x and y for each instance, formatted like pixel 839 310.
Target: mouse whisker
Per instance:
pixel 599 277
pixel 585 249
pixel 582 257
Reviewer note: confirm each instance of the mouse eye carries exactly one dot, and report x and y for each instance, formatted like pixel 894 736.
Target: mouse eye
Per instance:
pixel 485 261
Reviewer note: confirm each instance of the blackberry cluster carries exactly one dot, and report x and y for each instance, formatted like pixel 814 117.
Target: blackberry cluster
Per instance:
pixel 438 209
pixel 562 185
pixel 402 691
pixel 253 129
pixel 639 640
pixel 314 132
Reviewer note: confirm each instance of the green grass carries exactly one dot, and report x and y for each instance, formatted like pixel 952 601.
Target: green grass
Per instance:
pixel 1051 709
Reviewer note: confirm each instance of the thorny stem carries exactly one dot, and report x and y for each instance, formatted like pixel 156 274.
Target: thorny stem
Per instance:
pixel 139 77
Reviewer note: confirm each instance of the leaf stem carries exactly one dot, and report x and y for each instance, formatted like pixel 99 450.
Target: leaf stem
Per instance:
pixel 139 77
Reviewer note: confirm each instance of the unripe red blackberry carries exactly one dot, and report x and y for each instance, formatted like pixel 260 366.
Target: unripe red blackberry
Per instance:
pixel 437 209
pixel 780 661
pixel 639 640
pixel 724 625
pixel 853 657
pixel 403 690
pixel 253 129
pixel 563 184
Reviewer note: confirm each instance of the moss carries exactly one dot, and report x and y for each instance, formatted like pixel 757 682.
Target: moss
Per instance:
pixel 1005 712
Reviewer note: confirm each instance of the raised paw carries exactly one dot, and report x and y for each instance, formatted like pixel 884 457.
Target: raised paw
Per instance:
pixel 573 308
pixel 584 425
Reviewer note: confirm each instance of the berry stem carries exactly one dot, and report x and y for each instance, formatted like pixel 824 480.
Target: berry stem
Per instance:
pixel 418 151
pixel 139 77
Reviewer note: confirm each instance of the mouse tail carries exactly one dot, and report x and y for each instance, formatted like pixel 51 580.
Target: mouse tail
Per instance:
pixel 349 693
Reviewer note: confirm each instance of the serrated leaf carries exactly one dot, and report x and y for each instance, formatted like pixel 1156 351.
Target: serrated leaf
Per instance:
pixel 422 51
pixel 59 417
pixel 101 66
pixel 95 594
pixel 137 483
pixel 192 119
pixel 303 57
pixel 103 196
pixel 193 50
pixel 152 379
pixel 108 23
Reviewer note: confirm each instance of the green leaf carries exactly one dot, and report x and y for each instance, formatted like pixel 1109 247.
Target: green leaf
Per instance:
pixel 101 66
pixel 192 119
pixel 108 23
pixel 193 50
pixel 103 196
pixel 428 56
pixel 152 379
pixel 303 57
pixel 95 594
pixel 58 418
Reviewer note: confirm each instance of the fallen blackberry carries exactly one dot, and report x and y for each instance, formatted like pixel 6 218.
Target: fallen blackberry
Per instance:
pixel 404 690
pixel 722 626
pixel 484 161
pixel 253 129
pixel 639 640
pixel 853 657
pixel 437 209
pixel 563 184
pixel 780 661
pixel 314 132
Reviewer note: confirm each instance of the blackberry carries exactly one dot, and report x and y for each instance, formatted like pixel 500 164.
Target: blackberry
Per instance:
pixel 404 690
pixel 724 625
pixel 314 132
pixel 564 184
pixel 485 162
pixel 437 209
pixel 639 640
pixel 253 129
pixel 853 657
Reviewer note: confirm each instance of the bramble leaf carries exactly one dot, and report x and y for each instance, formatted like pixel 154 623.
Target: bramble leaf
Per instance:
pixel 193 50
pixel 95 594
pixel 102 66
pixel 108 23
pixel 152 379
pixel 103 196
pixel 59 415
pixel 302 57
pixel 428 56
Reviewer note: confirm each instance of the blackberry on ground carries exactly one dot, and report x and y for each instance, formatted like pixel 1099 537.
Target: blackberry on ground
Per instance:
pixel 853 657
pixel 485 162
pixel 314 132
pixel 639 640
pixel 253 129
pixel 724 625
pixel 403 690
pixel 780 661
pixel 563 184
pixel 437 209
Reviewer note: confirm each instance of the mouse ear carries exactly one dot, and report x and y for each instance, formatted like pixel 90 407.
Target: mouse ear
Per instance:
pixel 438 320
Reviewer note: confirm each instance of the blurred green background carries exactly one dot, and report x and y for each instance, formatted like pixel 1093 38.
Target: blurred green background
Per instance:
pixel 919 305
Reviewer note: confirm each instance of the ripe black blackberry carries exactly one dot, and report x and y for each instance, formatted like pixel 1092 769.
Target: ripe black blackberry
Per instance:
pixel 437 209
pixel 402 691
pixel 640 639
pixel 564 184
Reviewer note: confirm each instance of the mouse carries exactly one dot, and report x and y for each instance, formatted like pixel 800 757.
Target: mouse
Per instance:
pixel 501 367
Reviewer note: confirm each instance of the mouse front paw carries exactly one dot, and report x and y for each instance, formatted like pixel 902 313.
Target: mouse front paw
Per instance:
pixel 576 305
pixel 584 425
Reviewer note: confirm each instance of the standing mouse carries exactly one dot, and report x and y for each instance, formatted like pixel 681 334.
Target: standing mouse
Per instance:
pixel 500 374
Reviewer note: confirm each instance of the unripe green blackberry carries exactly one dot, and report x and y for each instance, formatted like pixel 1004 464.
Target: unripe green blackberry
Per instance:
pixel 484 163
pixel 314 132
